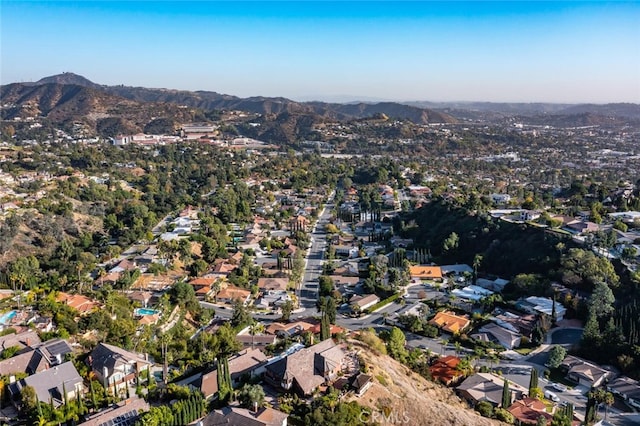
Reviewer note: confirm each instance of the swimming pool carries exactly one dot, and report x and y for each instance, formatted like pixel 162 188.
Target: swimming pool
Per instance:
pixel 7 317
pixel 145 311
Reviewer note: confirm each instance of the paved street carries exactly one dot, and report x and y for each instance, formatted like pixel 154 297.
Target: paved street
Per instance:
pixel 308 292
pixel 516 371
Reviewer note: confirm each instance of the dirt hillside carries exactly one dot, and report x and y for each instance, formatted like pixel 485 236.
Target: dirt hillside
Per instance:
pixel 406 398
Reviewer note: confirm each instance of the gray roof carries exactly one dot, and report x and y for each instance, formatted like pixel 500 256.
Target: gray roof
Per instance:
pixel 626 387
pixel 21 340
pixel 55 350
pixel 308 366
pixel 109 356
pixel 236 416
pixel 125 413
pixel 49 384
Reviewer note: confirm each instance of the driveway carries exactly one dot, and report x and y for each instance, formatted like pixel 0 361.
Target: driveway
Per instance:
pixel 566 336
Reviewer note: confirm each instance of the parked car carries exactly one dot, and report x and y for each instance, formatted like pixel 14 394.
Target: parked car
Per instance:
pixel 552 396
pixel 559 387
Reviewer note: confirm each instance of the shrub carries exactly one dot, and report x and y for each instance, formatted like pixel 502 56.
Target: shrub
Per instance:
pixel 484 408
pixel 503 415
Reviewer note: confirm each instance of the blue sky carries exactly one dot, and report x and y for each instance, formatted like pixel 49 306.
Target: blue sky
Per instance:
pixel 463 51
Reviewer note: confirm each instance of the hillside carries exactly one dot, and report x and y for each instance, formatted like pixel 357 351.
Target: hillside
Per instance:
pixel 207 100
pixel 414 398
pixel 105 114
pixel 580 119
pixel 611 110
pixel 67 78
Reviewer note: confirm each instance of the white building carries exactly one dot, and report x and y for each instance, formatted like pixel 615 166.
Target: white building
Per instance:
pixel 542 305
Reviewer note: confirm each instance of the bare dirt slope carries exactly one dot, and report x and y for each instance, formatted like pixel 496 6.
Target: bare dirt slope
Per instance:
pixel 409 399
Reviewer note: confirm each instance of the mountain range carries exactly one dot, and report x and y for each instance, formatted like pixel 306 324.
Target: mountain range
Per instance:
pixel 207 100
pixel 109 110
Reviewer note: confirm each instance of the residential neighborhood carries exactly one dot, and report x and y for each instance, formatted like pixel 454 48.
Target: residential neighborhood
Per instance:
pixel 202 276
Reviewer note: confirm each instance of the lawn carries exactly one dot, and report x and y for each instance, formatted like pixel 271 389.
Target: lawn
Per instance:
pixel 524 351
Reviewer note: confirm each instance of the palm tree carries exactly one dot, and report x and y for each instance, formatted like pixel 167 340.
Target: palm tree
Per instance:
pixel 255 328
pixel 477 260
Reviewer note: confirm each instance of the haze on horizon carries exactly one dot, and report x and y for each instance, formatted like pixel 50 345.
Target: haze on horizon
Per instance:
pixel 574 52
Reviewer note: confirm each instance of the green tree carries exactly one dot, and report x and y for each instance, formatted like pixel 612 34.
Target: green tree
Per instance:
pixel 287 308
pixel 601 300
pixel 506 395
pixel 560 419
pixel 556 356
pixel 451 242
pixel 533 380
pixel 396 344
pixel 251 396
pixel 241 316
pixel 584 269
pixel 225 342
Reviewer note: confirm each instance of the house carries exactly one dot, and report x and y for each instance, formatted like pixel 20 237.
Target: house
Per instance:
pixel 506 338
pixel 298 223
pixel 578 227
pixel 232 293
pixel 450 322
pixel 529 215
pixel 236 258
pixel 263 416
pixel 249 341
pixel 349 252
pixel 123 265
pixel 488 387
pixel 496 285
pixel 203 286
pixel 457 269
pixel 501 198
pixel 37 357
pixel 248 363
pixel 50 385
pixel 280 284
pixel 333 329
pixel 360 303
pixel 26 339
pixel 542 305
pixel 115 366
pixel 288 330
pixel 207 383
pixel 80 303
pixel 305 370
pixel 628 389
pixel 421 272
pixel 142 297
pixel 223 268
pixel 361 383
pixel 472 293
pixel 111 278
pixel 54 351
pixel 583 372
pixel 527 411
pixel 445 370
pixel 523 324
pixel 341 280
pixel 273 298
pixel 124 413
